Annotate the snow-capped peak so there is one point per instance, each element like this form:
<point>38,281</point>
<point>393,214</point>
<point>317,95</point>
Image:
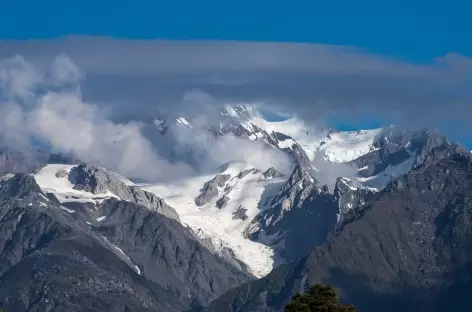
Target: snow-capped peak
<point>55,179</point>
<point>241,111</point>
<point>94,184</point>
<point>235,167</point>
<point>331,145</point>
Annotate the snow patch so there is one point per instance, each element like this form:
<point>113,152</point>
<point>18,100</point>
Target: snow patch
<point>128,259</point>
<point>67,209</point>
<point>378,182</point>
<point>288,143</point>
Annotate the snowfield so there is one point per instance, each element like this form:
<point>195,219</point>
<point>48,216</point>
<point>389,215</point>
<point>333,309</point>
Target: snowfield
<point>334,146</point>
<point>62,187</point>
<point>219,225</point>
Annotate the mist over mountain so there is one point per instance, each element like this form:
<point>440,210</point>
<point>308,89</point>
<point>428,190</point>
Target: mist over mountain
<point>198,200</point>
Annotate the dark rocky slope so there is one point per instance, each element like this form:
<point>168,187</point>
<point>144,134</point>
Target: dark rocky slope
<point>409,249</point>
<point>304,213</point>
<point>57,257</point>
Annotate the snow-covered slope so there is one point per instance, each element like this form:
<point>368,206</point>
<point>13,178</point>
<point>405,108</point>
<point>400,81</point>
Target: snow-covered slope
<point>345,146</point>
<point>379,181</point>
<point>94,184</point>
<point>52,181</point>
<point>245,192</point>
<point>334,146</point>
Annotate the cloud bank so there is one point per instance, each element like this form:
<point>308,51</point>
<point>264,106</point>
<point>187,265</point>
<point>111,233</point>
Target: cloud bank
<point>87,95</point>
<point>310,80</point>
<point>47,107</point>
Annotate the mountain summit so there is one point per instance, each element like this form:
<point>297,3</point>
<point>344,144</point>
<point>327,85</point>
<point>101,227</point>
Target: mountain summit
<point>382,214</point>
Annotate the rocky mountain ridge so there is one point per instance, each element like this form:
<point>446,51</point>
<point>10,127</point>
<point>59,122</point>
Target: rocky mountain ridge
<point>407,249</point>
<point>394,234</point>
<point>131,258</point>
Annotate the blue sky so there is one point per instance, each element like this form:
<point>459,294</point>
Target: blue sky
<point>412,31</point>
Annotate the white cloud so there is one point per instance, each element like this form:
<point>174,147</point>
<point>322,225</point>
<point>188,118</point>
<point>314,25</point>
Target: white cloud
<point>48,106</point>
<point>62,119</point>
<point>310,79</point>
<point>63,71</point>
<point>208,154</point>
<point>128,80</point>
<point>18,78</point>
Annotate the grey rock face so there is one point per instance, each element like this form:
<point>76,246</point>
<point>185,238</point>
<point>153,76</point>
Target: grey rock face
<point>240,213</point>
<point>49,263</point>
<point>244,173</point>
<point>171,262</point>
<point>299,217</point>
<point>210,189</point>
<point>54,258</point>
<point>20,185</point>
<point>221,203</point>
<point>220,179</point>
<point>395,146</point>
<point>272,173</point>
<point>97,180</point>
<point>295,191</point>
<point>351,195</point>
<point>61,174</point>
<point>409,249</point>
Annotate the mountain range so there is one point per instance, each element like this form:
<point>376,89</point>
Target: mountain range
<point>382,214</point>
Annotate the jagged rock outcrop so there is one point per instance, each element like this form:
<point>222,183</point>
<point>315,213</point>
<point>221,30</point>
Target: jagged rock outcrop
<point>240,126</point>
<point>98,180</point>
<point>210,189</point>
<point>300,216</point>
<point>244,173</point>
<point>351,195</point>
<point>221,203</point>
<point>399,148</point>
<point>171,263</point>
<point>408,249</point>
<point>62,173</point>
<point>19,186</point>
<point>48,262</point>
<point>272,173</point>
<point>240,213</point>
